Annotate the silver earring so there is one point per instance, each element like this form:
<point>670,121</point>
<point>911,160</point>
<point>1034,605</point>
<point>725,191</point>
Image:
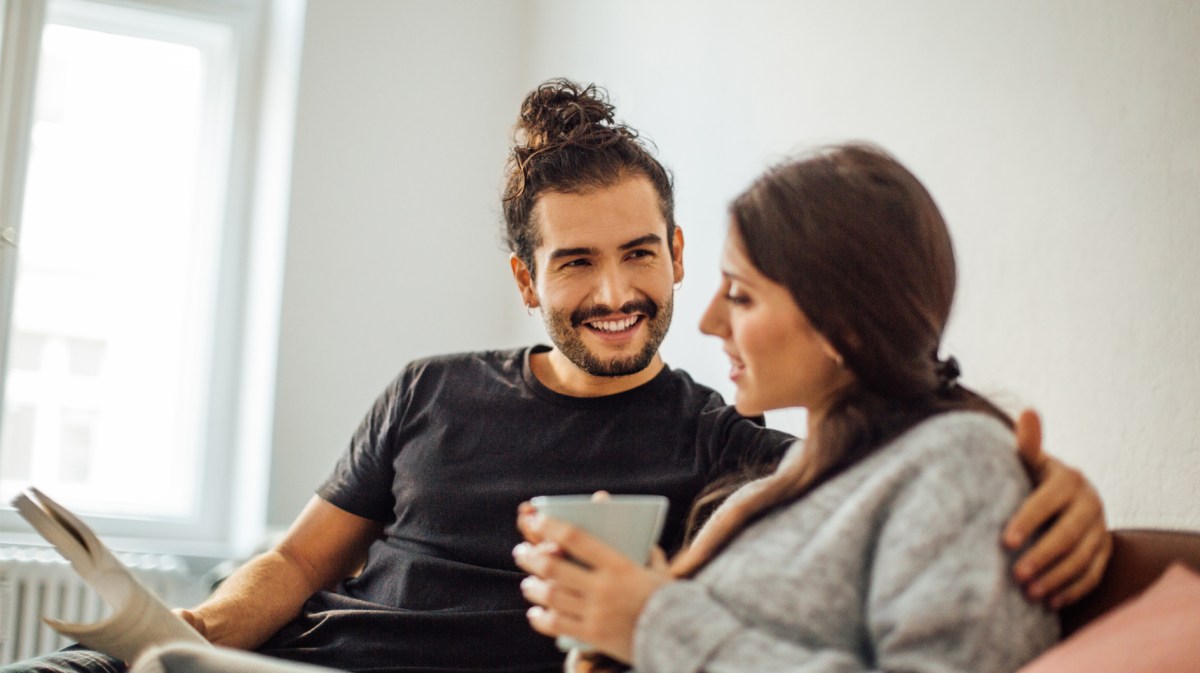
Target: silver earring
<point>529,310</point>
<point>678,285</point>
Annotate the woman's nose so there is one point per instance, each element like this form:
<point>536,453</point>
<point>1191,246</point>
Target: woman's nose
<point>715,322</point>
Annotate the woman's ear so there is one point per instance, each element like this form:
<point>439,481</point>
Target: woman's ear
<point>524,278</point>
<point>850,341</point>
<point>837,358</point>
<point>832,353</point>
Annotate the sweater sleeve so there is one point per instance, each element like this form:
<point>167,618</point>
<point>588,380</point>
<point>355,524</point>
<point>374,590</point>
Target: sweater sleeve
<point>937,594</point>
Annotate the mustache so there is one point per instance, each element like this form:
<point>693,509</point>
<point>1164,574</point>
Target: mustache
<point>582,315</point>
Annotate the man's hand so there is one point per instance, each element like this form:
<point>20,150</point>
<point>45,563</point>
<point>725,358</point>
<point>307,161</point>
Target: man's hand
<point>194,620</point>
<point>1069,558</point>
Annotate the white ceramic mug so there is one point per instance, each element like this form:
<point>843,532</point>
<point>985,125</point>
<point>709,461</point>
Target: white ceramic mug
<point>631,524</point>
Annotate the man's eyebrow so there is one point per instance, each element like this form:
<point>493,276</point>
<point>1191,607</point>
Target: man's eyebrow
<point>572,252</point>
<point>638,242</point>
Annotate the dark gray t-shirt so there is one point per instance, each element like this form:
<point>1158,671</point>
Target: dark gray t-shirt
<point>443,459</point>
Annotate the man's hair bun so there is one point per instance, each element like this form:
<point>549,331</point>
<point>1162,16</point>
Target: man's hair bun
<point>561,112</point>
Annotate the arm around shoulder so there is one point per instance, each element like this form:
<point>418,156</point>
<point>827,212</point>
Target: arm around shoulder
<point>894,565</point>
<point>941,594</point>
<point>323,546</point>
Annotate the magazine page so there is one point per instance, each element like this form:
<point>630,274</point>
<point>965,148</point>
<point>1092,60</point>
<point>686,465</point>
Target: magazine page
<point>138,620</point>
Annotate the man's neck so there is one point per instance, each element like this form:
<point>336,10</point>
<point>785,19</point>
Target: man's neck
<point>559,374</point>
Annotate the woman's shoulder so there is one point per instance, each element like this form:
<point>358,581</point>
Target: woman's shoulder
<point>965,450</point>
<point>957,433</point>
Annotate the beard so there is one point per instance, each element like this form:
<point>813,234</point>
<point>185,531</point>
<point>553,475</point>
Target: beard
<point>563,327</point>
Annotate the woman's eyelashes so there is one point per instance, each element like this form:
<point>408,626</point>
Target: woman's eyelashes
<point>736,296</point>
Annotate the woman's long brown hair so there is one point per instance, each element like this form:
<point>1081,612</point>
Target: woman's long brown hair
<point>863,249</point>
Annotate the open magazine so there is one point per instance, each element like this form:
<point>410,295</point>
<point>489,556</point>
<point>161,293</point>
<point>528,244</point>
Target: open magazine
<point>139,619</point>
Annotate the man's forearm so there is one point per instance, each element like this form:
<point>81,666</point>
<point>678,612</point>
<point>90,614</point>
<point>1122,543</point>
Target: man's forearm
<point>255,601</point>
<point>324,545</point>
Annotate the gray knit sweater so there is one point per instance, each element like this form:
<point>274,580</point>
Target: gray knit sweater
<point>894,565</point>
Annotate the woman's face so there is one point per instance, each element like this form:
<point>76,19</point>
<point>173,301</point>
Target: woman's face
<point>777,358</point>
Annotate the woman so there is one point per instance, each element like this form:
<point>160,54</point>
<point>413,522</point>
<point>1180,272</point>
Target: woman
<point>874,547</point>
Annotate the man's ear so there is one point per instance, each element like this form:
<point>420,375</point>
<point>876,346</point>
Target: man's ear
<point>677,254</point>
<point>524,280</point>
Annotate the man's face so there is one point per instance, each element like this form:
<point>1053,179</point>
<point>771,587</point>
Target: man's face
<point>604,275</point>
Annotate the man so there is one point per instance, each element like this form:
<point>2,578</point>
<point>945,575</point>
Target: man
<point>420,510</point>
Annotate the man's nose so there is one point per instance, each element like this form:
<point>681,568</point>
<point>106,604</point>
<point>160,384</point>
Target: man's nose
<point>613,289</point>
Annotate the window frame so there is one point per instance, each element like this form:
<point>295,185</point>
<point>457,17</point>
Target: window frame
<point>261,82</point>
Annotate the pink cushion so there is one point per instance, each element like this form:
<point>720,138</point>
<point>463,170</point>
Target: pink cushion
<point>1157,631</point>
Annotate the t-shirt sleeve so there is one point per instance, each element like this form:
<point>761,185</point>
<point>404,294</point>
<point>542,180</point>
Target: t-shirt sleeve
<point>361,482</point>
<point>735,443</point>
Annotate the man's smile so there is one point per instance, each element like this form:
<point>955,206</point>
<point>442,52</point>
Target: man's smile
<point>614,325</point>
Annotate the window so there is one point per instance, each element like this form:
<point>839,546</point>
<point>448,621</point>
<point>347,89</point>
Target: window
<point>135,252</point>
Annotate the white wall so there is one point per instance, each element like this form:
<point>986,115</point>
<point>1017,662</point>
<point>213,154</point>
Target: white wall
<point>393,248</point>
<point>1059,137</point>
<point>1062,140</point>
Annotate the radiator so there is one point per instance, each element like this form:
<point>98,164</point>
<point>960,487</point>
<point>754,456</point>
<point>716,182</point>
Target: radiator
<point>36,581</point>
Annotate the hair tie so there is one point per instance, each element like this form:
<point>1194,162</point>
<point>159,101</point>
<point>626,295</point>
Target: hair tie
<point>947,373</point>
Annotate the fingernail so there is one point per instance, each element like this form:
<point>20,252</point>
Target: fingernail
<point>1036,591</point>
<point>1013,538</point>
<point>520,550</point>
<point>525,583</point>
<point>533,613</point>
<point>1024,571</point>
